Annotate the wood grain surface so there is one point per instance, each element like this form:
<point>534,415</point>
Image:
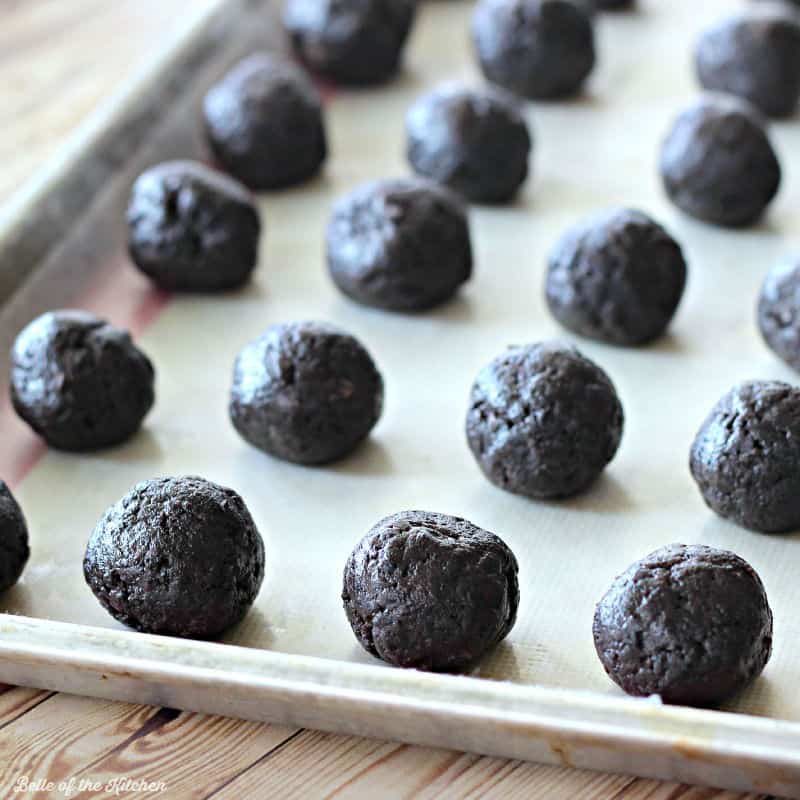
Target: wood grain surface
<point>58,60</point>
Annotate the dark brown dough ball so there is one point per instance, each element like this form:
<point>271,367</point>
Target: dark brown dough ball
<point>540,49</point>
<point>717,162</point>
<point>401,245</point>
<point>14,550</point>
<point>350,41</point>
<point>754,54</point>
<point>192,229</point>
<point>745,457</point>
<point>474,141</point>
<point>543,421</point>
<point>176,556</point>
<point>779,311</point>
<point>305,392</point>
<point>613,5</point>
<point>430,591</point>
<point>617,277</point>
<point>79,382</point>
<point>689,623</point>
<point>264,123</point>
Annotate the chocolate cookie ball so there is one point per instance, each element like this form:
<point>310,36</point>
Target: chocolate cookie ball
<point>14,550</point>
<point>754,54</point>
<point>717,162</point>
<point>779,311</point>
<point>613,5</point>
<point>689,623</point>
<point>617,277</point>
<point>79,382</point>
<point>192,229</point>
<point>305,392</point>
<point>540,49</point>
<point>430,591</point>
<point>401,245</point>
<point>350,41</point>
<point>543,421</point>
<point>474,141</point>
<point>745,457</point>
<point>264,123</point>
<point>176,556</point>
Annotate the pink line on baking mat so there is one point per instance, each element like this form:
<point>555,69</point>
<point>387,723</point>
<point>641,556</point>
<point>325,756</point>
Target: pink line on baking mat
<point>116,293</point>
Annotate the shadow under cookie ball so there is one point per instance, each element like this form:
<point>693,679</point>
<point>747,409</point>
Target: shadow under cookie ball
<point>176,556</point>
<point>754,54</point>
<point>192,229</point>
<point>745,457</point>
<point>264,123</point>
<point>430,591</point>
<point>79,382</point>
<point>612,5</point>
<point>617,277</point>
<point>305,392</point>
<point>14,550</point>
<point>474,141</point>
<point>356,42</point>
<point>779,311</point>
<point>543,421</point>
<point>400,245</point>
<point>540,49</point>
<point>689,623</point>
<point>717,162</point>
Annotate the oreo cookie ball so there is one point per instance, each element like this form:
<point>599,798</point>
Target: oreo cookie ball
<point>400,245</point>
<point>14,550</point>
<point>617,277</point>
<point>689,623</point>
<point>430,591</point>
<point>613,5</point>
<point>745,456</point>
<point>305,392</point>
<point>754,54</point>
<point>543,421</point>
<point>192,229</point>
<point>779,311</point>
<point>540,49</point>
<point>79,382</point>
<point>176,556</point>
<point>264,123</point>
<point>717,162</point>
<point>474,141</point>
<point>356,42</point>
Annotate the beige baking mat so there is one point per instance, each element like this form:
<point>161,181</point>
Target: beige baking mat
<point>596,151</point>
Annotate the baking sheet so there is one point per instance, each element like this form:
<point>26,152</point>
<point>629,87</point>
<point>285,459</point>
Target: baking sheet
<point>595,151</point>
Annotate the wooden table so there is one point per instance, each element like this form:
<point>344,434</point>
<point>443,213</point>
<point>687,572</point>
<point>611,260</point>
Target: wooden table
<point>58,59</point>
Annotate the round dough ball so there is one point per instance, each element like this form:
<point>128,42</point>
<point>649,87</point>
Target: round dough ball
<point>613,5</point>
<point>176,556</point>
<point>14,550</point>
<point>192,229</point>
<point>543,421</point>
<point>356,42</point>
<point>617,277</point>
<point>779,311</point>
<point>79,382</point>
<point>401,245</point>
<point>745,457</point>
<point>717,162</point>
<point>540,49</point>
<point>264,123</point>
<point>754,54</point>
<point>430,591</point>
<point>474,141</point>
<point>305,392</point>
<point>689,623</point>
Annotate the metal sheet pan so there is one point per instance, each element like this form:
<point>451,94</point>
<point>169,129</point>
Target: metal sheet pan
<point>542,694</point>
